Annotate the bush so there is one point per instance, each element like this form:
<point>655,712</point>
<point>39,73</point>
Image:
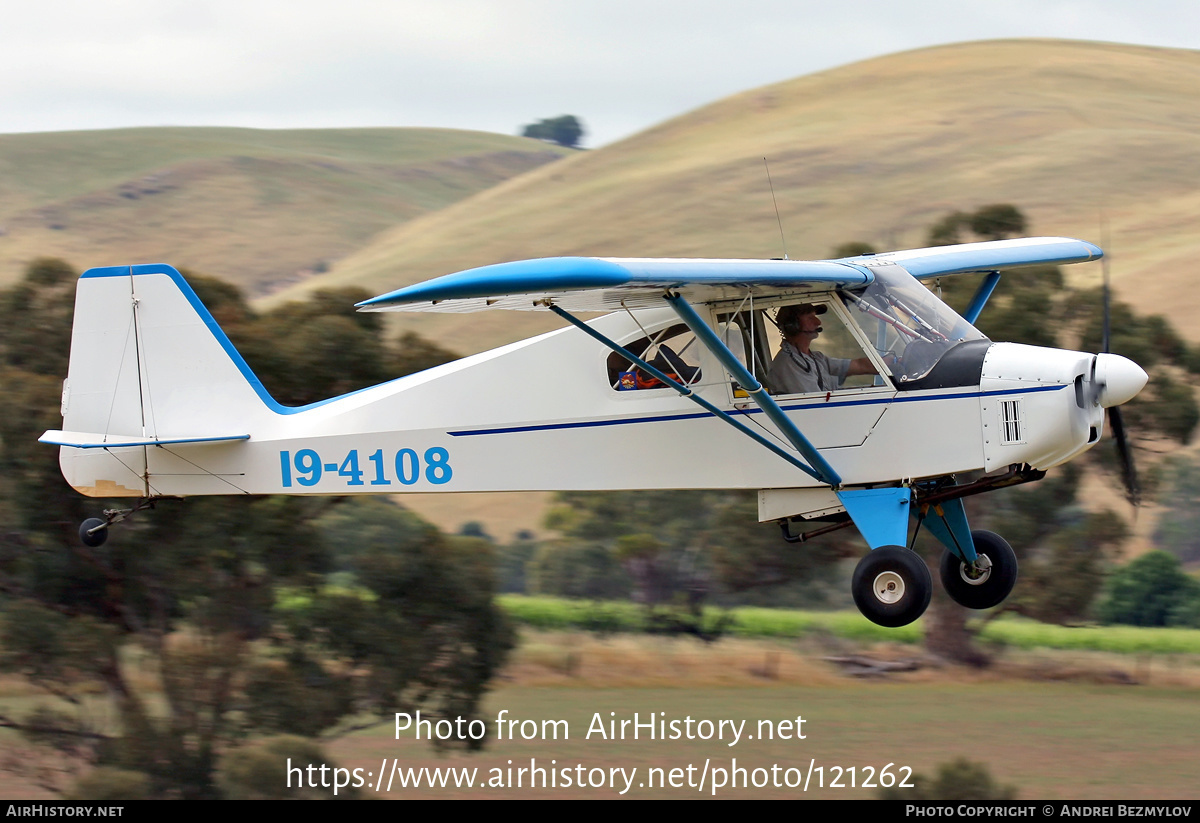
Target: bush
<point>959,779</point>
<point>259,771</point>
<point>107,783</point>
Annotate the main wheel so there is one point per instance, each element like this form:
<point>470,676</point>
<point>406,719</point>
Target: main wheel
<point>92,538</point>
<point>990,582</point>
<point>892,586</point>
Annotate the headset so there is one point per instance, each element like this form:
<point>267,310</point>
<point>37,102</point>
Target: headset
<point>788,317</point>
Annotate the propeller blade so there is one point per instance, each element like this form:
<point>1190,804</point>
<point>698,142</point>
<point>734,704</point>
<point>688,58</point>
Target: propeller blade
<point>1133,492</point>
<point>1116,422</point>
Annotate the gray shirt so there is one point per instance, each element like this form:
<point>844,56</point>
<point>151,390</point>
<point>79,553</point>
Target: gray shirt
<point>793,372</point>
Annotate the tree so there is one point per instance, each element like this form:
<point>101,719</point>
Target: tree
<point>948,230</point>
<point>992,222</point>
<point>565,130</point>
<point>1178,530</point>
<point>1150,591</point>
<point>998,221</point>
<point>513,561</point>
<point>231,600</point>
<point>584,570</point>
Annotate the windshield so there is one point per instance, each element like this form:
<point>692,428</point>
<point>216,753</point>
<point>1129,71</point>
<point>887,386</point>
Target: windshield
<point>904,319</point>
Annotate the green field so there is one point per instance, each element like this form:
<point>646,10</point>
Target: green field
<point>555,613</point>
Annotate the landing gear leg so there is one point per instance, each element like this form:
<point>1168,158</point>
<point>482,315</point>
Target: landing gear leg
<point>978,568</point>
<point>93,532</point>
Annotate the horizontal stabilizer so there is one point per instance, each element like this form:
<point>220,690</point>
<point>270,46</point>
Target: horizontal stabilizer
<point>94,440</point>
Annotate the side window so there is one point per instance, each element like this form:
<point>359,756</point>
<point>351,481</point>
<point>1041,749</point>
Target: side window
<point>673,351</point>
<point>820,355</point>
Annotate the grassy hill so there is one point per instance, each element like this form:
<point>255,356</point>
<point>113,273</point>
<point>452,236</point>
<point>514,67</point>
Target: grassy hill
<point>872,151</point>
<point>260,208</point>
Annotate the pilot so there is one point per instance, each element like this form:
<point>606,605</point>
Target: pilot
<point>797,369</point>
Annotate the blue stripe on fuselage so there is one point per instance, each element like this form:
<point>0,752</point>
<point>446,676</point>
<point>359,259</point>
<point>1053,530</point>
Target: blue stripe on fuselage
<point>666,418</point>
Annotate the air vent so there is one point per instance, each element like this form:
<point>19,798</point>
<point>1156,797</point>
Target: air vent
<point>1012,422</point>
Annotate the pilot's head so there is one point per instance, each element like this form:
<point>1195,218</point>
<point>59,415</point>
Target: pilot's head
<point>800,318</point>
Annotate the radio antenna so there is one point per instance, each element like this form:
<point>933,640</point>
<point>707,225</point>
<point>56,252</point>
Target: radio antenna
<point>782,239</point>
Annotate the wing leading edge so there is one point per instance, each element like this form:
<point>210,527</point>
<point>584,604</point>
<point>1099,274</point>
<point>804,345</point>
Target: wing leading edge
<point>606,284</point>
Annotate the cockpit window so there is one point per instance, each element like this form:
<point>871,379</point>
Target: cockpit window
<point>673,351</point>
<point>828,358</point>
<point>907,322</point>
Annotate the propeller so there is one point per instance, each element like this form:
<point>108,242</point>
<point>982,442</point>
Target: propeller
<point>1114,380</point>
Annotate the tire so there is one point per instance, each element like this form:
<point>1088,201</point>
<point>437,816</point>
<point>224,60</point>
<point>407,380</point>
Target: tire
<point>993,585</point>
<point>94,539</point>
<point>892,586</point>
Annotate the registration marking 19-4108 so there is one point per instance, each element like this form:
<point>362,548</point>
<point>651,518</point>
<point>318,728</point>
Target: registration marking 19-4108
<point>405,467</point>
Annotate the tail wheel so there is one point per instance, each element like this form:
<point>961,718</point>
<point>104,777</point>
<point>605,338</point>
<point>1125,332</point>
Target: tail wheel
<point>93,532</point>
<point>892,586</point>
<point>992,578</point>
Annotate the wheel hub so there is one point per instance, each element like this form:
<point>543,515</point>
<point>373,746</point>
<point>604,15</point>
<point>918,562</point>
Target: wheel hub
<point>979,573</point>
<point>888,587</point>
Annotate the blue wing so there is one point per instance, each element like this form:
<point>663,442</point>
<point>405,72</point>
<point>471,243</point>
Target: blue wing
<point>605,284</point>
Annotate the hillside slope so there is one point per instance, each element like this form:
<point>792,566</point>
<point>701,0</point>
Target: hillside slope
<point>259,208</point>
<point>873,151</point>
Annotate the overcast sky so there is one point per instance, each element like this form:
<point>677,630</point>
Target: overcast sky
<point>620,65</point>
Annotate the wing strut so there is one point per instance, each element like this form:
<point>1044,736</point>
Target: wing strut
<point>979,300</point>
<point>823,471</point>
<point>689,394</point>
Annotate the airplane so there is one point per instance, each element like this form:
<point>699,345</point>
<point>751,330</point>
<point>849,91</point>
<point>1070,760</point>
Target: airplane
<point>668,390</point>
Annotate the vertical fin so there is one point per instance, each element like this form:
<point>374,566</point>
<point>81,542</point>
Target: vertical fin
<point>148,363</point>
